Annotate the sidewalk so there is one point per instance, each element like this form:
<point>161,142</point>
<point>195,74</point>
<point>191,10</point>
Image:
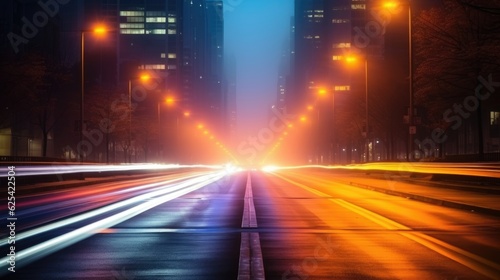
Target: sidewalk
<point>481,199</point>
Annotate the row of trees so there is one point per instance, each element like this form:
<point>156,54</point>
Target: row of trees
<point>32,85</point>
<point>454,44</point>
<point>42,98</point>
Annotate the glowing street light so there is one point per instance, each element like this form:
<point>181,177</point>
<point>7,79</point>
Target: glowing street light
<point>170,101</point>
<point>99,30</point>
<point>412,128</point>
<point>350,60</point>
<point>143,78</point>
<point>391,5</point>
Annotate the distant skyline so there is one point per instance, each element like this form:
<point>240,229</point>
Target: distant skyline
<point>254,34</point>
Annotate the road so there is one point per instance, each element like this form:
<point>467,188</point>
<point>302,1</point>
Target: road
<point>290,224</point>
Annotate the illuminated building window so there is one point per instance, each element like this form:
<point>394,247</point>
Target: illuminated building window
<point>156,31</point>
<point>156,19</point>
<point>172,31</point>
<point>132,25</point>
<point>135,19</point>
<point>132,13</point>
<point>152,67</point>
<point>494,118</point>
<point>358,6</point>
<point>163,55</point>
<point>172,20</point>
<point>341,45</point>
<point>155,14</point>
<point>495,125</point>
<point>132,31</point>
<point>337,57</point>
<point>172,55</point>
<point>342,88</point>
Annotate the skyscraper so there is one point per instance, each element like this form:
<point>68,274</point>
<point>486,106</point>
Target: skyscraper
<point>323,37</point>
<point>203,52</point>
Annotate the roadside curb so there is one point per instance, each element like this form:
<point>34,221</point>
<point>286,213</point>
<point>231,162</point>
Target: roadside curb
<point>437,184</point>
<point>431,200</point>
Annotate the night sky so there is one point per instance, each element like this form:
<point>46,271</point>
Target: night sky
<point>255,33</point>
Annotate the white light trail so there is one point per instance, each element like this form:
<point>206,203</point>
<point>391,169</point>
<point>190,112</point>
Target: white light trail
<point>164,189</point>
<point>67,169</point>
<point>152,200</point>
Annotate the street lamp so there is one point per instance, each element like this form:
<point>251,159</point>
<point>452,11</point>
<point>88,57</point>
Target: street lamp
<point>323,92</point>
<point>411,127</point>
<point>170,101</point>
<point>99,30</point>
<point>354,59</point>
<point>143,78</point>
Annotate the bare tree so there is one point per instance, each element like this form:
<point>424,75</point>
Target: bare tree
<point>108,116</point>
<point>455,44</point>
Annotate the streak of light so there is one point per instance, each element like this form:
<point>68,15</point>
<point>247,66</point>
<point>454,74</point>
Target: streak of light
<point>270,168</point>
<point>81,200</point>
<point>475,262</point>
<point>473,169</point>
<point>230,168</point>
<point>65,169</point>
<point>47,247</point>
<point>164,189</point>
<point>115,188</point>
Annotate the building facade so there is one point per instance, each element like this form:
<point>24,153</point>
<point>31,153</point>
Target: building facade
<point>178,42</point>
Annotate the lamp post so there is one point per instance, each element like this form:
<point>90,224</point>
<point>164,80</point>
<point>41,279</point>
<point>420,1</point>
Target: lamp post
<point>353,59</point>
<point>366,113</point>
<point>169,101</point>
<point>97,30</point>
<point>82,78</point>
<point>411,122</point>
<point>323,92</point>
<point>143,78</point>
<point>412,128</point>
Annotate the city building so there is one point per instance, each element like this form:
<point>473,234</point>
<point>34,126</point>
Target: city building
<point>324,36</point>
<point>179,43</point>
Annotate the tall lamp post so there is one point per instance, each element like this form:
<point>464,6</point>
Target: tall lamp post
<point>411,123</point>
<point>169,101</point>
<point>323,92</point>
<point>350,60</point>
<point>412,128</point>
<point>143,78</point>
<point>98,30</point>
